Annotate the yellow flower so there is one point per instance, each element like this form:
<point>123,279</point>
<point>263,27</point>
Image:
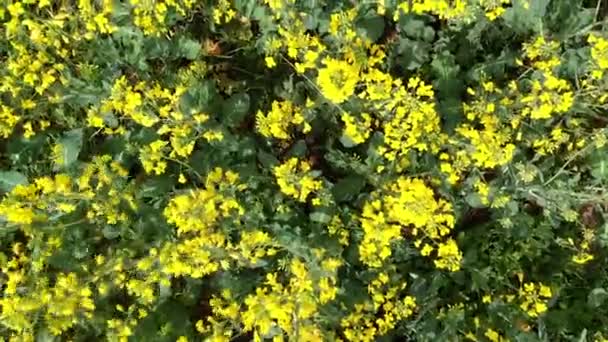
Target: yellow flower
<point>599,51</point>
<point>443,9</point>
<point>582,258</point>
<point>270,62</point>
<point>28,130</point>
<point>493,336</point>
<point>295,179</point>
<point>57,154</point>
<point>338,79</point>
<point>494,8</point>
<point>406,203</point>
<point>152,157</point>
<point>277,122</point>
<point>448,256</point>
<point>357,130</point>
<point>7,121</point>
<point>551,96</point>
<point>534,298</point>
<point>380,314</point>
<point>426,250</point>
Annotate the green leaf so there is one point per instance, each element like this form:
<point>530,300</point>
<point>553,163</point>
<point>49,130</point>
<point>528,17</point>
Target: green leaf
<point>522,19</point>
<point>411,26</point>
<point>200,97</point>
<point>235,108</point>
<point>538,8</point>
<point>346,141</point>
<point>267,160</point>
<point>164,291</point>
<point>372,27</point>
<point>597,297</point>
<point>311,19</point>
<point>599,170</point>
<point>156,185</point>
<point>10,179</point>
<point>26,151</point>
<point>446,72</point>
<point>479,280</point>
<point>115,146</point>
<point>320,217</point>
<point>188,48</point>
<point>44,335</point>
<point>599,164</point>
<point>451,114</point>
<point>583,336</point>
<point>110,232</point>
<point>144,135</point>
<point>413,54</point>
<point>298,149</point>
<point>573,61</point>
<point>347,188</point>
<point>71,144</point>
<point>474,200</point>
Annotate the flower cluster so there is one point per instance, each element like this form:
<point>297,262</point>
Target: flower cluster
<point>277,122</point>
<point>534,298</point>
<point>408,206</point>
<point>338,79</point>
<point>377,316</point>
<point>296,179</point>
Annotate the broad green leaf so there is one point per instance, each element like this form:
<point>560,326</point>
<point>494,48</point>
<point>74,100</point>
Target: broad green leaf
<point>413,54</point>
<point>372,27</point>
<point>10,179</point>
<point>446,72</point>
<point>525,16</point>
<point>199,98</point>
<point>156,185</point>
<point>110,232</point>
<point>599,164</point>
<point>597,297</point>
<point>236,108</point>
<point>189,49</point>
<point>411,26</point>
<point>451,113</point>
<point>346,141</point>
<point>267,160</point>
<point>71,144</point>
<point>537,8</point>
<point>26,151</point>
<point>474,200</point>
<point>44,335</point>
<point>311,21</point>
<point>144,135</point>
<point>298,149</point>
<point>479,280</point>
<point>164,291</point>
<point>347,188</point>
<point>320,217</point>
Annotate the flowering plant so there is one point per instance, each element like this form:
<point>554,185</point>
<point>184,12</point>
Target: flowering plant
<point>303,170</point>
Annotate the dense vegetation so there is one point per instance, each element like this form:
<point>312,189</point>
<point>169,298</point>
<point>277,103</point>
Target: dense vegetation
<point>304,170</point>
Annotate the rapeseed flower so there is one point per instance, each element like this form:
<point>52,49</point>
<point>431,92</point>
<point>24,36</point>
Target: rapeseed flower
<point>296,179</point>
<point>277,122</point>
<point>337,79</point>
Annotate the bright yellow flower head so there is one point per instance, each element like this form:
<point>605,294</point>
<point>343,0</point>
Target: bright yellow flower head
<point>338,79</point>
<point>295,180</point>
